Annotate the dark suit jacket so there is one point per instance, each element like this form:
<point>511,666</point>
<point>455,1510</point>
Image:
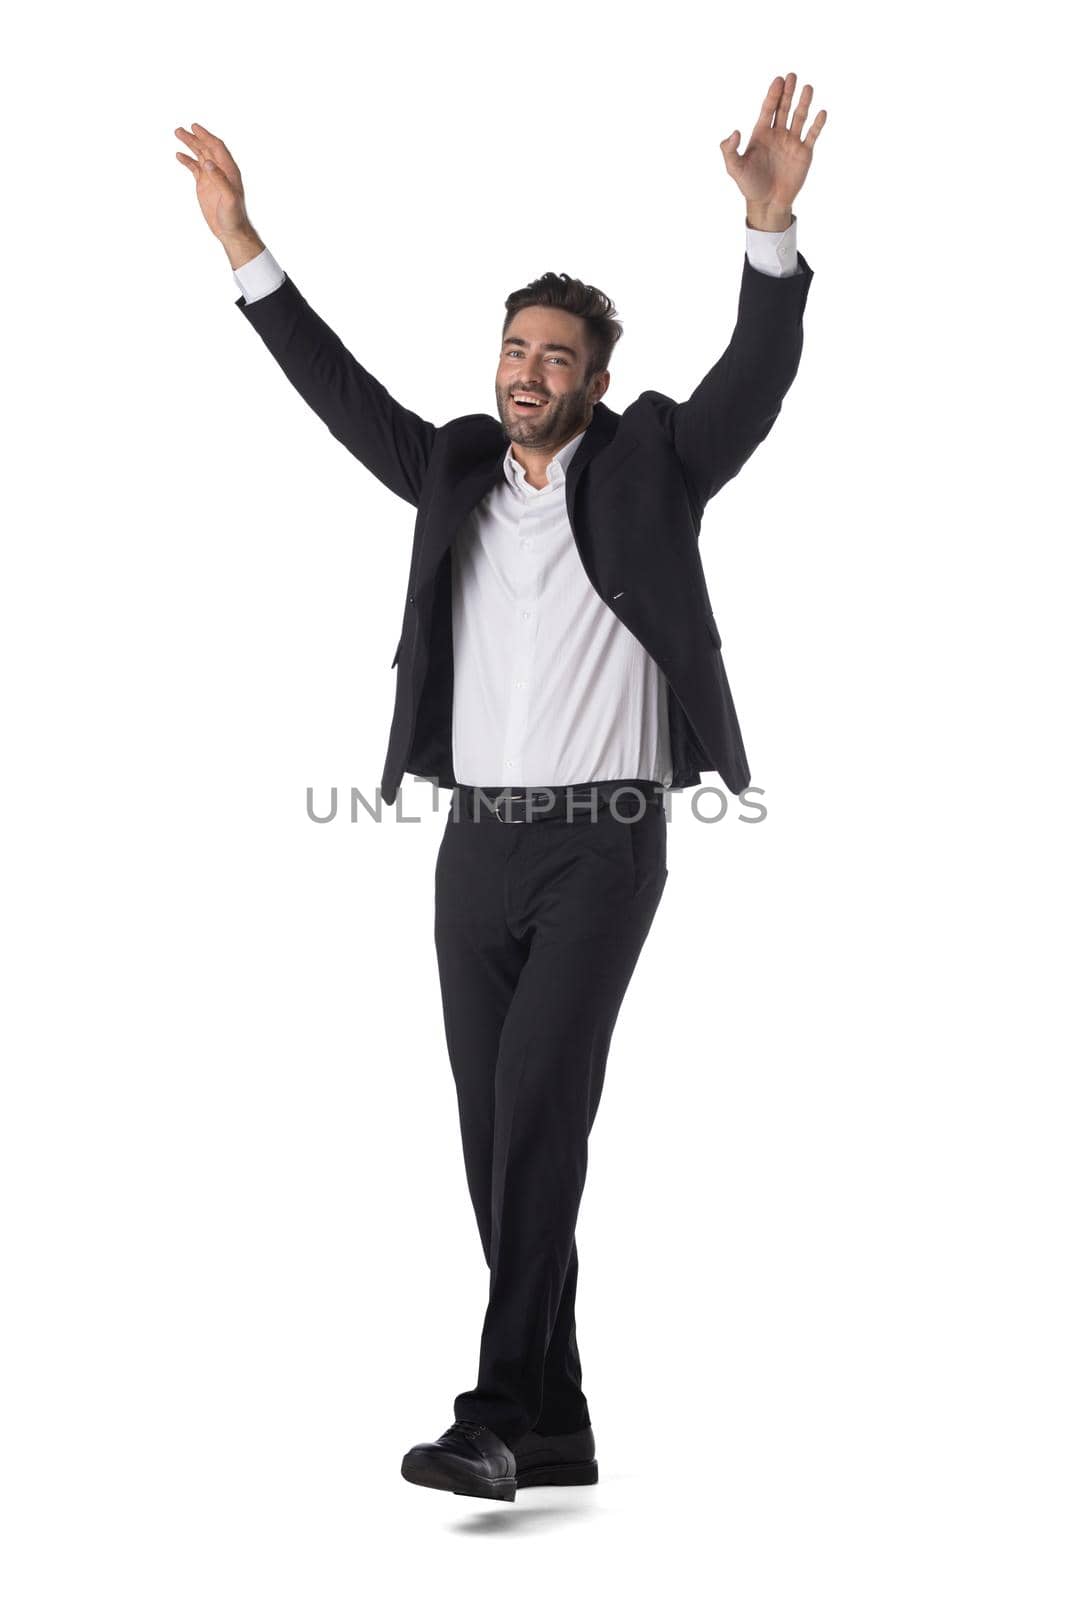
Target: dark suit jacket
<point>636,488</point>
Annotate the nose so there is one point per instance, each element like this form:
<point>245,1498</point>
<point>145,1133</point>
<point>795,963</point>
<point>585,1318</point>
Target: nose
<point>532,376</point>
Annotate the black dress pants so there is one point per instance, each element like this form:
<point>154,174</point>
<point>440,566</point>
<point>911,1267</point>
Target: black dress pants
<point>538,927</point>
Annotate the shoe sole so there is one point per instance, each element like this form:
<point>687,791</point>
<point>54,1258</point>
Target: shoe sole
<point>562,1472</point>
<point>430,1476</point>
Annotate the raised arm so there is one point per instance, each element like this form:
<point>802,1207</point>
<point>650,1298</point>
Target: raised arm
<point>734,407</point>
<point>390,441</point>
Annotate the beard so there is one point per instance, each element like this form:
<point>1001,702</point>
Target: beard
<point>556,422</point>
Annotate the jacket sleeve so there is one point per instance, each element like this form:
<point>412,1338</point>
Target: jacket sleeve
<point>390,441</point>
<point>734,407</point>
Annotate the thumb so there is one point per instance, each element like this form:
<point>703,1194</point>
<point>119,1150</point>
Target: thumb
<point>729,147</point>
<point>218,174</point>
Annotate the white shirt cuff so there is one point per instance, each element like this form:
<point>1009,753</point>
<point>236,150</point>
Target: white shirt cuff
<point>774,253</point>
<point>260,276</point>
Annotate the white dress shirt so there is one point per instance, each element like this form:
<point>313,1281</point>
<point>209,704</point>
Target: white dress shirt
<point>549,686</point>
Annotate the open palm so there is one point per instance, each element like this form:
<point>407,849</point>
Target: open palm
<point>771,171</point>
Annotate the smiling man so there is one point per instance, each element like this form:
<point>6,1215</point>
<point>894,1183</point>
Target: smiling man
<point>546,387</point>
<point>559,667</point>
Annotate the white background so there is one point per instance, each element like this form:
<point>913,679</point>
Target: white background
<point>820,1305</point>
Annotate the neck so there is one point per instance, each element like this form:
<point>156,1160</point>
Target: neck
<point>536,462</point>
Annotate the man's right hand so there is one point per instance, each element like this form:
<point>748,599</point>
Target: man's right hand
<point>220,192</point>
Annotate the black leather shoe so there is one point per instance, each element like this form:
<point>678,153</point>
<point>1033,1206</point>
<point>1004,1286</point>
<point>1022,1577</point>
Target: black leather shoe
<point>468,1458</point>
<point>542,1458</point>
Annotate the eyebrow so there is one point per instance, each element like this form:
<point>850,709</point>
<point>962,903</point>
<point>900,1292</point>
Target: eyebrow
<point>525,343</point>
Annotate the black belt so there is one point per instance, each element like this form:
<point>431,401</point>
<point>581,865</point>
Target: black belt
<point>575,801</point>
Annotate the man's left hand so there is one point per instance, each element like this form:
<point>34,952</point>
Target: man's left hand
<point>771,171</point>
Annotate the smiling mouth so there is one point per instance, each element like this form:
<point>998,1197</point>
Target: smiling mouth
<point>528,405</point>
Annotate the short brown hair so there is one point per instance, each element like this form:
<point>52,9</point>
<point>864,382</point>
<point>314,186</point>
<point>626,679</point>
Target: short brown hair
<point>563,293</point>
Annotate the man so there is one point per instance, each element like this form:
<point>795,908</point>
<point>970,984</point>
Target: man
<point>559,667</point>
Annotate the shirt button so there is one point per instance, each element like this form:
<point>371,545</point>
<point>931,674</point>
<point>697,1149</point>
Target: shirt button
<point>510,763</point>
<point>520,683</point>
<point>526,615</point>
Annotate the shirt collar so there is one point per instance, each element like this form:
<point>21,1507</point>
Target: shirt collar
<point>556,466</point>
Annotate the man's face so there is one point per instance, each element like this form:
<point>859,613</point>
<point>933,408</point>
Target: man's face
<point>545,355</point>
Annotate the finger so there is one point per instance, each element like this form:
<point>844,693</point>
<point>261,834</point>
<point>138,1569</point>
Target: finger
<point>781,114</point>
<point>799,116</point>
<point>815,129</point>
<point>196,167</point>
<point>212,143</point>
<point>195,144</point>
<point>204,169</point>
<point>770,104</point>
<point>208,144</point>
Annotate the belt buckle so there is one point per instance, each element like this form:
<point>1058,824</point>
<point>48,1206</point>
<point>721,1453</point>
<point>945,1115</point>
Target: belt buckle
<point>494,807</point>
